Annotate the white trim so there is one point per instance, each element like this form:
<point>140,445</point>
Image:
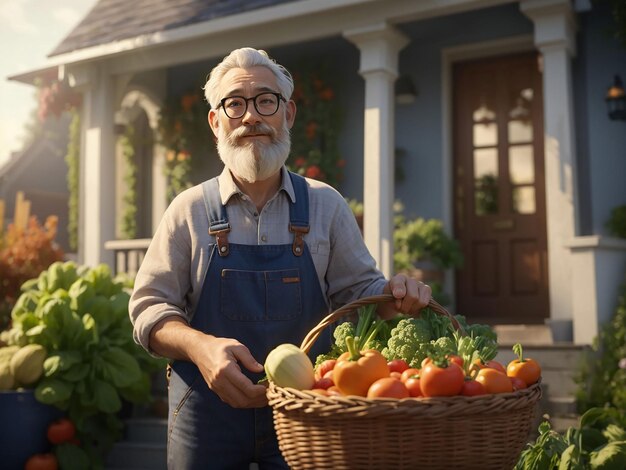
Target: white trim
<point>284,24</point>
<point>449,56</point>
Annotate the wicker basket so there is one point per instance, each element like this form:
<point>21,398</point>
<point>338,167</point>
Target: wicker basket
<point>330,432</point>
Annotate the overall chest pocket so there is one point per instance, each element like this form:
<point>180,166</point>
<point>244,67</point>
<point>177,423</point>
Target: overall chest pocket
<point>260,295</point>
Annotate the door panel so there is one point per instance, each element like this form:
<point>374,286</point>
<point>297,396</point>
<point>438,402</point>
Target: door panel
<point>499,190</point>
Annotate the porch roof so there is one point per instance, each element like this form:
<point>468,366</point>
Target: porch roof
<point>113,20</point>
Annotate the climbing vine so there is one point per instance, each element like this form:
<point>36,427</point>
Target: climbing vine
<point>314,144</point>
<point>183,128</point>
<point>129,212</point>
<point>72,160</point>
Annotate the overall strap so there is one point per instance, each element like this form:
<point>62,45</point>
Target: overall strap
<point>216,213</point>
<point>299,213</point>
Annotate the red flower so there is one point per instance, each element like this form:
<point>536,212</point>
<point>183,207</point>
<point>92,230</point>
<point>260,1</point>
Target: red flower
<point>311,130</point>
<point>314,172</point>
<point>341,163</point>
<point>327,94</point>
<point>299,162</point>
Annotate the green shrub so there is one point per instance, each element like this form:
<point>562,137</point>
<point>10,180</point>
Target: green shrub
<point>601,378</point>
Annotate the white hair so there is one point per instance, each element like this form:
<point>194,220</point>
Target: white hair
<point>244,58</point>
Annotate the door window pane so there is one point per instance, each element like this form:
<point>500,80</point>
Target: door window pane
<point>520,132</point>
<point>485,162</point>
<point>485,134</point>
<point>524,200</point>
<point>521,164</point>
<point>486,181</point>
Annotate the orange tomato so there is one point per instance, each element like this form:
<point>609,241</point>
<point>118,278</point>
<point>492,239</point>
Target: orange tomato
<point>396,375</point>
<point>324,383</point>
<point>491,365</point>
<point>528,370</point>
<point>325,366</point>
<point>334,391</point>
<point>320,391</point>
<point>388,387</point>
<point>407,374</point>
<point>494,381</point>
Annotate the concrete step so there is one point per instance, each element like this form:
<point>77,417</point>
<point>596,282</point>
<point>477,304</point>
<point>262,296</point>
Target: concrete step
<point>137,456</point>
<point>148,430</point>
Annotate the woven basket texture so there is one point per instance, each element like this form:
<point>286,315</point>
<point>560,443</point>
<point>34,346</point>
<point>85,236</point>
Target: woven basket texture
<point>330,432</point>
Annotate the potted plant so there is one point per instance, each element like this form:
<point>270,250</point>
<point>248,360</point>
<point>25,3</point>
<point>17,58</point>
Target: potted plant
<point>424,249</point>
<point>92,366</point>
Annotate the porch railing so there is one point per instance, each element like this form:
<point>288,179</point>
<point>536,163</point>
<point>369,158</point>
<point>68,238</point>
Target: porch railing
<point>128,254</point>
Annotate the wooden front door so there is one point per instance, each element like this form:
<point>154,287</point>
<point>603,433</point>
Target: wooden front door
<point>499,190</point>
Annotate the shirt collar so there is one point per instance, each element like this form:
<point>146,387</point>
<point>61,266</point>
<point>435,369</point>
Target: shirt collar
<point>228,187</point>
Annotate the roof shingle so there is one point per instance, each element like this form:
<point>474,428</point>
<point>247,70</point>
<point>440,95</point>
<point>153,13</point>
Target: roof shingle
<point>113,20</point>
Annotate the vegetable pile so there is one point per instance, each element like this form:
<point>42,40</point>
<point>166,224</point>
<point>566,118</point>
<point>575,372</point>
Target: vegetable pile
<point>405,357</point>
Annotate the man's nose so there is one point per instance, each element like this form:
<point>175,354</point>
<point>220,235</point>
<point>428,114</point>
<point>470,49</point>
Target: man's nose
<point>251,116</point>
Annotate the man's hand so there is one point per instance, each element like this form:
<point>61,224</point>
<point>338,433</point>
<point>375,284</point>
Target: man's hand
<point>220,361</point>
<point>411,296</point>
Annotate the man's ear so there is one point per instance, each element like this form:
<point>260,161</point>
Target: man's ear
<point>290,113</point>
<point>214,121</point>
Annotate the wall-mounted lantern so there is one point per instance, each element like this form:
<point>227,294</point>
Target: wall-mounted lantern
<point>616,100</point>
<point>405,90</point>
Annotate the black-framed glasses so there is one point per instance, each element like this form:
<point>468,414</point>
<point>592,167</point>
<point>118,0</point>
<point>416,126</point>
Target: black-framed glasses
<point>266,104</point>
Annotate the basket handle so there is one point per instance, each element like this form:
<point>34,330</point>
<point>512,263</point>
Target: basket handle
<point>312,336</point>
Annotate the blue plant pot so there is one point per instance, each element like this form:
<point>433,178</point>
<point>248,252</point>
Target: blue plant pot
<point>23,427</point>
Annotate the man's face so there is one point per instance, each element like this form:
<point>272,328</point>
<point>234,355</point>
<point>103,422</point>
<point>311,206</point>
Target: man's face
<point>253,147</point>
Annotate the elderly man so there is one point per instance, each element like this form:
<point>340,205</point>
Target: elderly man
<point>244,262</point>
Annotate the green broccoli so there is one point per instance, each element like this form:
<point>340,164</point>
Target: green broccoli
<point>444,346</point>
<point>342,331</point>
<point>406,339</point>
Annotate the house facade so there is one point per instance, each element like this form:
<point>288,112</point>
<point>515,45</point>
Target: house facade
<point>504,134</point>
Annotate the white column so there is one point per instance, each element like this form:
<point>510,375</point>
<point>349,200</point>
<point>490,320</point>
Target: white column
<point>97,178</point>
<point>555,37</point>
<point>379,45</point>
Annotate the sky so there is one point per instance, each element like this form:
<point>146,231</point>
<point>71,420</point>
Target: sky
<point>29,31</point>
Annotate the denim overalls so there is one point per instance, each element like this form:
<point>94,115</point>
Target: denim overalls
<point>261,295</point>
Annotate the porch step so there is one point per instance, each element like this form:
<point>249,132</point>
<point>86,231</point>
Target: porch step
<point>137,456</point>
<point>524,334</point>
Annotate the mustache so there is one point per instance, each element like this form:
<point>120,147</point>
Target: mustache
<point>260,128</point>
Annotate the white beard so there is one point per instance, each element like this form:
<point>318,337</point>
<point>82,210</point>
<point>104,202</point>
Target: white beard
<point>254,161</point>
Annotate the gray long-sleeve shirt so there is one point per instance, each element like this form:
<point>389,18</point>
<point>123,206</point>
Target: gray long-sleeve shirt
<point>170,278</point>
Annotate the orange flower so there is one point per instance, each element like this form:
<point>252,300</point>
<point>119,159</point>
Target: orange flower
<point>327,94</point>
<point>183,155</point>
<point>317,84</point>
<point>299,162</point>
<point>188,101</point>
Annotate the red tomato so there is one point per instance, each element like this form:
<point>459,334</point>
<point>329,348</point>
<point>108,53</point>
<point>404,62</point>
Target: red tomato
<point>329,375</point>
<point>472,388</point>
<point>456,359</point>
<point>324,383</point>
<point>334,391</point>
<point>388,387</point>
<point>397,365</point>
<point>494,381</point>
<point>518,383</point>
<point>328,364</point>
<point>60,431</point>
<point>42,462</point>
<point>438,381</point>
<point>409,373</point>
<point>413,386</point>
<point>396,375</point>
